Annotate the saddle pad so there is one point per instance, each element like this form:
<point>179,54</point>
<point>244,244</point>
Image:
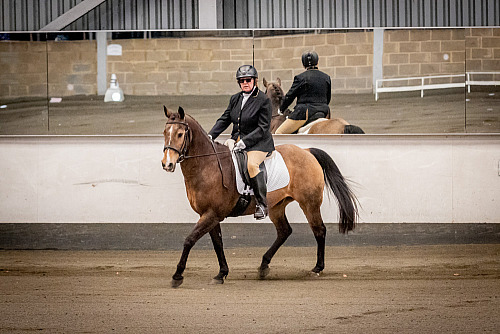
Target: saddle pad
<point>305,129</point>
<point>277,174</point>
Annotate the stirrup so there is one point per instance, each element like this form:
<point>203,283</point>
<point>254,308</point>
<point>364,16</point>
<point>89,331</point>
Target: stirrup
<point>260,213</point>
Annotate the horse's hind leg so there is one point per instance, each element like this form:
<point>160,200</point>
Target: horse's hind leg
<point>313,215</point>
<point>216,235</point>
<point>283,230</point>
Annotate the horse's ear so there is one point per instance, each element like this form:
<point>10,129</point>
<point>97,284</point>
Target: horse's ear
<point>181,112</point>
<point>278,80</point>
<point>167,112</point>
<point>264,81</point>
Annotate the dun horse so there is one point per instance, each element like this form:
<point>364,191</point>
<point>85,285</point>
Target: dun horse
<point>209,177</point>
<point>320,126</point>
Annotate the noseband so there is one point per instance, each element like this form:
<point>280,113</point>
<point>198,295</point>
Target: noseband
<point>183,150</point>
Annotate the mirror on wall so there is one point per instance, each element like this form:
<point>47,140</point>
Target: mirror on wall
<point>24,108</point>
<point>387,81</point>
<point>482,54</point>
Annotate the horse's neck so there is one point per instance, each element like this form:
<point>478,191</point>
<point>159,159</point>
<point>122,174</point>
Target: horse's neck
<point>200,149</point>
<point>275,103</point>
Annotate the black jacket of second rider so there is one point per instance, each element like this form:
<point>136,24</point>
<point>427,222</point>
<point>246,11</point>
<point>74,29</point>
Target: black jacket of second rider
<point>251,124</point>
<point>313,90</point>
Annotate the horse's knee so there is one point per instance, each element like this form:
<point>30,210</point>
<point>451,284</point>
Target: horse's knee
<point>189,242</point>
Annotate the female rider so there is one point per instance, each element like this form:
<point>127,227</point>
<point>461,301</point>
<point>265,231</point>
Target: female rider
<point>250,113</point>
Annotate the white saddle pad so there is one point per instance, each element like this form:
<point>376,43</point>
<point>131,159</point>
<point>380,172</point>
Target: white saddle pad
<point>305,129</point>
<point>277,174</point>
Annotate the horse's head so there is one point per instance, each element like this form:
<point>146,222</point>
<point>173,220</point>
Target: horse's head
<point>177,137</point>
<point>275,93</point>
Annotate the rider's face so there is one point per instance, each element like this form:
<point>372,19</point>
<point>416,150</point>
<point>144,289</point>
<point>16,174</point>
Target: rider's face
<point>246,84</point>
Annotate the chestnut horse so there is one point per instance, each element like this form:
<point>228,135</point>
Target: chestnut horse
<point>209,177</point>
<point>320,126</point>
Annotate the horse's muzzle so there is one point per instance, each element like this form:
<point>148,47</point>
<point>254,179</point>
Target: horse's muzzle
<point>169,167</point>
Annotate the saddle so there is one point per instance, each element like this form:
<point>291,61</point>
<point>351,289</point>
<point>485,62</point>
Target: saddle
<point>241,159</point>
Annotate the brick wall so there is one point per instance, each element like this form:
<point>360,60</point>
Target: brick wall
<point>207,65</point>
<point>483,51</point>
<point>423,52</point>
<point>346,57</point>
<point>72,68</point>
<point>174,66</point>
<point>23,69</point>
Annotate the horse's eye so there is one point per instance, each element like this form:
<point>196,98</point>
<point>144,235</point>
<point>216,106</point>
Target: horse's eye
<point>179,135</point>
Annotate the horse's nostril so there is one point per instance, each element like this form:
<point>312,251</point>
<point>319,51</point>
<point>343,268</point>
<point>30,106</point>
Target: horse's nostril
<point>163,164</point>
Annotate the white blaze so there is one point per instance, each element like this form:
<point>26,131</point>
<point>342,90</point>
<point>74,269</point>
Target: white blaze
<point>169,141</point>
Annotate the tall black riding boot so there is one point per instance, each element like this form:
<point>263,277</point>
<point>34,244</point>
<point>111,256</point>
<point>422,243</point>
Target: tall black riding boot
<point>259,187</point>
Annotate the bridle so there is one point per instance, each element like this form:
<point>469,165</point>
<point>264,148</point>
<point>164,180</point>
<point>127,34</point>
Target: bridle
<point>183,150</point>
<point>185,145</point>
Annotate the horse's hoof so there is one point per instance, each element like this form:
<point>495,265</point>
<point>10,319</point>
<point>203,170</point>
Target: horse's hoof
<point>315,274</point>
<point>176,282</point>
<point>216,281</point>
<point>317,270</point>
<point>263,272</point>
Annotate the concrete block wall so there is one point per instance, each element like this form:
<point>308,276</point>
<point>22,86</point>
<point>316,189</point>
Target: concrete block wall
<point>69,66</point>
<point>23,69</point>
<point>72,68</point>
<point>423,52</point>
<point>180,66</point>
<point>206,65</point>
<point>346,57</point>
<point>483,51</point>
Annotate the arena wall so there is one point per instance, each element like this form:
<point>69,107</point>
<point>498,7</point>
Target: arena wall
<point>206,65</point>
<point>119,179</point>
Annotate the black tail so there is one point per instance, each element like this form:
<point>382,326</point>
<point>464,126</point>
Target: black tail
<point>353,129</point>
<point>346,200</point>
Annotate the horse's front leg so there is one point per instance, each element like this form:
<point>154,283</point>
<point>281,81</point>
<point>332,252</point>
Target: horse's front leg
<point>205,224</point>
<point>216,235</point>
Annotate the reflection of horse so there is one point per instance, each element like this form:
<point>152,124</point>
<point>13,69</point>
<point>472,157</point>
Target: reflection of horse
<point>322,125</point>
<point>209,177</point>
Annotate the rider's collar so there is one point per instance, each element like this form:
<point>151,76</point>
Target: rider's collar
<point>253,93</point>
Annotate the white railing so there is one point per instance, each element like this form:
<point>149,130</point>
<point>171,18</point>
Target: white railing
<point>424,83</point>
<point>470,82</point>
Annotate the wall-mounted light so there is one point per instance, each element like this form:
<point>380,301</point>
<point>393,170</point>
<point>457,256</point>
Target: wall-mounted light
<point>114,93</point>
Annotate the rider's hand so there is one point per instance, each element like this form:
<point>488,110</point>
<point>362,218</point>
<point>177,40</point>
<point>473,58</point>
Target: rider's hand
<point>210,136</point>
<point>239,146</point>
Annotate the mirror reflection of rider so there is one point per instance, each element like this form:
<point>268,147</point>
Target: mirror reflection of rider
<point>250,113</point>
<point>313,90</point>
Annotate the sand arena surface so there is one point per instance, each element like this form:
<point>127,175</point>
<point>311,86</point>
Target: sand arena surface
<point>364,289</point>
<point>443,111</point>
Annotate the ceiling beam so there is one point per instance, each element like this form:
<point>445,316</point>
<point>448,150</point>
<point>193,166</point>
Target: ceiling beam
<point>72,15</point>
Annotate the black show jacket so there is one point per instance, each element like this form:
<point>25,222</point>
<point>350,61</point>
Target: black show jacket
<point>250,124</point>
<point>313,90</point>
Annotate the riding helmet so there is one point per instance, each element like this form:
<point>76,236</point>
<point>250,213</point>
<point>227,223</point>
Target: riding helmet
<point>310,58</point>
<point>246,71</point>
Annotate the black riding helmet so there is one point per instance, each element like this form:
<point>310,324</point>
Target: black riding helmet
<point>310,58</point>
<point>246,71</point>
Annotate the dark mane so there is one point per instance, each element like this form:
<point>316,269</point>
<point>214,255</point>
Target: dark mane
<point>193,123</point>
